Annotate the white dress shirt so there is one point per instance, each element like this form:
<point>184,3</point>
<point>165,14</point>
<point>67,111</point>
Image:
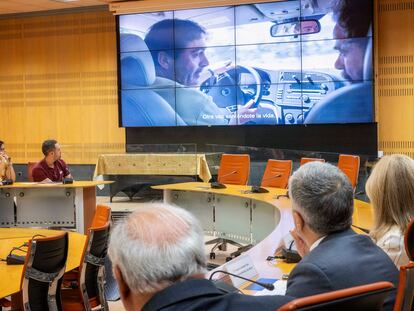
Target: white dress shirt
<point>392,243</point>
<point>316,243</point>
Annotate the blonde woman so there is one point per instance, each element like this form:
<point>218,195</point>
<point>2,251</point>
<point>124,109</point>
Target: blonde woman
<point>6,165</point>
<point>390,189</point>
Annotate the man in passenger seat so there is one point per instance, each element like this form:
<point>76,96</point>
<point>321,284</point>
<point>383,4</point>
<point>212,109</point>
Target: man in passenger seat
<point>351,33</point>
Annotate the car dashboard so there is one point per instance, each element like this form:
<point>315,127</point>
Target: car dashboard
<point>295,93</point>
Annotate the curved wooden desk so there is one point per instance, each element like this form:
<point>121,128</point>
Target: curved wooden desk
<point>10,275</point>
<point>49,204</point>
<point>262,219</point>
<point>230,212</point>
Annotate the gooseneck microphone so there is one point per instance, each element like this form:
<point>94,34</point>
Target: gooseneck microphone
<point>258,189</point>
<point>6,182</point>
<point>268,286</point>
<point>218,185</point>
<point>362,229</point>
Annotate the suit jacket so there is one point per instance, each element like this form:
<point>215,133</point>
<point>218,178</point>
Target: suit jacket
<point>343,259</point>
<point>202,294</point>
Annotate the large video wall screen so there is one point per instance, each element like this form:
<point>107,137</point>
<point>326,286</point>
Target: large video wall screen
<point>288,62</point>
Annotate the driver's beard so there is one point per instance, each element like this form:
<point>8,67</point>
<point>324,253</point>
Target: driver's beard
<point>188,79</point>
<point>346,76</point>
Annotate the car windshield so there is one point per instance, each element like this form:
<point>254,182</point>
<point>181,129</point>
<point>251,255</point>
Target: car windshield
<point>281,56</point>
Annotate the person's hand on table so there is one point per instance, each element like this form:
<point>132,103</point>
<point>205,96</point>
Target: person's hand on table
<point>4,155</point>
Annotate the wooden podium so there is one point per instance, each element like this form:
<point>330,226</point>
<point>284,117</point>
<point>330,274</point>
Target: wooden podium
<point>47,205</point>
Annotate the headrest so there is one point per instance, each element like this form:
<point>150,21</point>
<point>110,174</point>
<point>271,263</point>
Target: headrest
<point>367,74</point>
<point>349,104</point>
<point>137,66</point>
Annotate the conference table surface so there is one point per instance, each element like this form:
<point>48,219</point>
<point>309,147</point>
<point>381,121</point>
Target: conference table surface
<point>75,184</point>
<point>10,275</point>
<point>362,217</point>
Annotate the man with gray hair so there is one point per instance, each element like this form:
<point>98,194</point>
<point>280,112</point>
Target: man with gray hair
<point>333,255</point>
<point>159,263</point>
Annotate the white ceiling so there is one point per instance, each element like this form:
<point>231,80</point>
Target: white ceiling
<point>25,6</point>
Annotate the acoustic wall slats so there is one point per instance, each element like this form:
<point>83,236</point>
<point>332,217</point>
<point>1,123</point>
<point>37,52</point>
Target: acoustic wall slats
<point>58,79</point>
<point>395,76</point>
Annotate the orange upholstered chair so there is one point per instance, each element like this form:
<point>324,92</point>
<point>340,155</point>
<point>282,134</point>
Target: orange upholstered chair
<point>89,291</point>
<point>409,240</point>
<point>306,160</point>
<point>30,166</point>
<point>349,164</point>
<point>405,291</point>
<point>102,216</point>
<point>275,168</point>
<point>234,169</point>
<point>367,297</point>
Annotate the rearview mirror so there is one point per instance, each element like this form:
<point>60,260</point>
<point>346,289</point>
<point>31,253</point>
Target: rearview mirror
<point>295,28</point>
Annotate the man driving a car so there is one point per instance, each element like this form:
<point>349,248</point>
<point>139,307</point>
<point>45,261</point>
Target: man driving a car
<point>185,68</point>
<point>351,31</point>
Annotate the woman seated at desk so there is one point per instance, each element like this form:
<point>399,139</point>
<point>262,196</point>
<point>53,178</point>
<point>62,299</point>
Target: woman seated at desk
<point>390,189</point>
<point>6,165</point>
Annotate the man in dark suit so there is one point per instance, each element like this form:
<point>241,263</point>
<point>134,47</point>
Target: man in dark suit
<point>159,263</point>
<point>333,255</point>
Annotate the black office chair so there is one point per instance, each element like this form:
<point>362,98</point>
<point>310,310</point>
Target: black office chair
<point>369,297</point>
<point>43,272</point>
<point>88,290</point>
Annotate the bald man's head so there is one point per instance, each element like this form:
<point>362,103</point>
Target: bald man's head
<point>156,226</point>
<point>156,246</point>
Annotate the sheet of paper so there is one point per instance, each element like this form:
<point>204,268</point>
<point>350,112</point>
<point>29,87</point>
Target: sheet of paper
<point>280,289</point>
<point>242,266</point>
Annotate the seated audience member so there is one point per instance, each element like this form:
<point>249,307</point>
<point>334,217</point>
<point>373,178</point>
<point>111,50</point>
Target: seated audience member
<point>6,165</point>
<point>160,265</point>
<point>390,189</point>
<point>52,168</point>
<point>333,256</point>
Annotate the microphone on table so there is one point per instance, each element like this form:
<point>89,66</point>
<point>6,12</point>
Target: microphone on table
<point>362,229</point>
<point>258,189</point>
<point>219,185</point>
<point>6,182</point>
<point>268,286</point>
<point>67,180</point>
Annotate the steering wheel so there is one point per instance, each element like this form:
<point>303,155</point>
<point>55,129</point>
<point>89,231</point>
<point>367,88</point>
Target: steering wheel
<point>225,88</point>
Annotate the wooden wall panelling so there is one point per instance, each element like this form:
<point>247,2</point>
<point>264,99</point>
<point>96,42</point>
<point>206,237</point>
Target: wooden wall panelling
<point>100,87</point>
<point>60,75</point>
<point>12,108</point>
<point>58,79</point>
<point>395,76</point>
